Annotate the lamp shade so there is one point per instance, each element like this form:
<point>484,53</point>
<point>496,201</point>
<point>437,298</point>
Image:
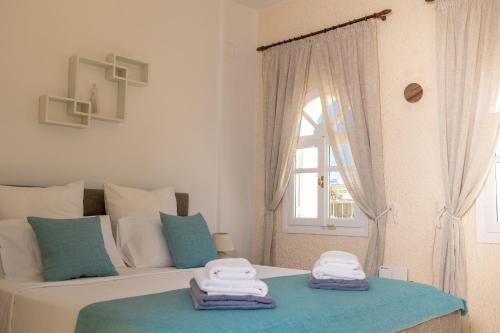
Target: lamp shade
<point>223,242</point>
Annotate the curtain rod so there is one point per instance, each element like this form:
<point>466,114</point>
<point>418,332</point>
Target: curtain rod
<point>380,15</point>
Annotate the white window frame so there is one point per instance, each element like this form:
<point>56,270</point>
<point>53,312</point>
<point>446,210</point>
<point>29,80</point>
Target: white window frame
<point>322,225</point>
<point>487,224</point>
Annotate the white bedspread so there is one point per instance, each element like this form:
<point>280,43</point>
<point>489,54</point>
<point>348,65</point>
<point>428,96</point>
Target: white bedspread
<point>53,307</point>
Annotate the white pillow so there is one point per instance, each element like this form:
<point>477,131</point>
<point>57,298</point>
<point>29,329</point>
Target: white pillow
<point>20,254</point>
<point>142,243</point>
<point>50,202</point>
<point>21,259</point>
<point>130,202</point>
<point>109,242</point>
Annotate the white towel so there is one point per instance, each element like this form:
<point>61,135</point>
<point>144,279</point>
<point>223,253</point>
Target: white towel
<point>337,271</point>
<point>230,269</point>
<point>338,257</point>
<point>229,287</point>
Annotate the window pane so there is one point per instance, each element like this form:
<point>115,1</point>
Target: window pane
<point>341,205</point>
<point>306,128</point>
<point>498,101</point>
<point>306,195</point>
<point>313,109</point>
<point>333,109</point>
<point>345,155</point>
<point>497,179</point>
<point>331,158</point>
<point>306,158</point>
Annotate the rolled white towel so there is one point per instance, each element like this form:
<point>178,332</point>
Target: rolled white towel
<point>229,287</point>
<point>230,269</point>
<point>337,271</point>
<point>338,257</point>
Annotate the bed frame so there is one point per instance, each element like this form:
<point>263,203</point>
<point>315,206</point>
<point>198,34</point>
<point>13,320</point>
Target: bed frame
<point>452,323</point>
<point>93,203</point>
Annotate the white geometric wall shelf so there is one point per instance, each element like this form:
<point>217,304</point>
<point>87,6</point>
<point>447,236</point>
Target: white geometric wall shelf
<point>121,70</point>
<point>138,71</point>
<point>79,111</point>
<point>112,73</point>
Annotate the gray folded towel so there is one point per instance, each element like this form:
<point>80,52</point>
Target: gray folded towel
<point>202,301</point>
<point>334,284</point>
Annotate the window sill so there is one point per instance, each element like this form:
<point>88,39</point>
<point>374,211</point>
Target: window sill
<point>485,233</point>
<point>487,227</point>
<point>321,230</point>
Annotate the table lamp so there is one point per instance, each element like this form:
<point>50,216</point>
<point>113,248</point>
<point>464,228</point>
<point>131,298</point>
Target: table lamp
<point>223,244</point>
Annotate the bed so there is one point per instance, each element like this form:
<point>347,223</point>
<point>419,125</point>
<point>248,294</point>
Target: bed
<point>52,307</point>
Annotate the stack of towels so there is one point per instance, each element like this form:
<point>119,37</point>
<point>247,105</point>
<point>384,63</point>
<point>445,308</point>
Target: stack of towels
<point>338,270</point>
<point>229,284</point>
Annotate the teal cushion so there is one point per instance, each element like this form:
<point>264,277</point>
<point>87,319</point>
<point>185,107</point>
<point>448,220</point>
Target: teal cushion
<point>71,248</point>
<point>188,240</point>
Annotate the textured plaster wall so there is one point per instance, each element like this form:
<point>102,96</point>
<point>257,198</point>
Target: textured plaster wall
<point>411,148</point>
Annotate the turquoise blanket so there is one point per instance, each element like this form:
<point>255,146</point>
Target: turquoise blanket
<point>388,306</point>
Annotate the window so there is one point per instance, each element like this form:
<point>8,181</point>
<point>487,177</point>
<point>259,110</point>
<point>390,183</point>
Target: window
<point>488,204</point>
<point>317,201</point>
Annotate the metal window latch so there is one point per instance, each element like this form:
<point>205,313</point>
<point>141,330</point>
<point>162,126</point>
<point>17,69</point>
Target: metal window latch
<point>329,227</point>
<point>321,181</point>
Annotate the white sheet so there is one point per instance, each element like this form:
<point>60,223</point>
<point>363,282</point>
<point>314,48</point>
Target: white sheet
<point>53,307</point>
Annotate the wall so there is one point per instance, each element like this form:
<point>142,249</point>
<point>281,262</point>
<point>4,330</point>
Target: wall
<point>172,131</point>
<point>411,148</point>
<point>237,135</point>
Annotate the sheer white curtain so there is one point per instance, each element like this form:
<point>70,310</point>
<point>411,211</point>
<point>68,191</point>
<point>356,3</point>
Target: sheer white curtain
<point>285,71</point>
<point>468,80</point>
<point>346,61</point>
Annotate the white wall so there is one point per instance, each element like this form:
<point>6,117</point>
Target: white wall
<point>170,135</point>
<point>237,125</point>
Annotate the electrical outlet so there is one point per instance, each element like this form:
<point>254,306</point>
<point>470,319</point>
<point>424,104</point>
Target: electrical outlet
<point>395,273</point>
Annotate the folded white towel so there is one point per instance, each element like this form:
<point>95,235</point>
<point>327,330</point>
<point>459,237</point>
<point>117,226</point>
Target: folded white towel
<point>338,257</point>
<point>229,287</point>
<point>230,269</point>
<point>337,271</point>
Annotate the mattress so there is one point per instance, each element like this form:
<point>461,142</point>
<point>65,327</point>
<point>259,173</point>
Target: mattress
<point>53,307</point>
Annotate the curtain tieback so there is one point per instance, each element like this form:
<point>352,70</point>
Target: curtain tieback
<point>391,209</point>
<point>444,211</point>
